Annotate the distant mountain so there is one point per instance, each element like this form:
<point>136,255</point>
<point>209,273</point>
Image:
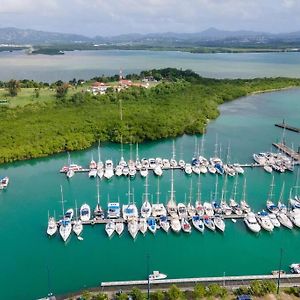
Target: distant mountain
<point>11,35</point>
<point>208,37</point>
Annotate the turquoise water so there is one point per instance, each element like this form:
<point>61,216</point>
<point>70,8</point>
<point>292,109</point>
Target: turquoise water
<point>87,64</point>
<point>26,252</point>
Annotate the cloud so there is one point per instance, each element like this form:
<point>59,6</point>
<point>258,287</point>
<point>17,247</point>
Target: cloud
<point>92,17</point>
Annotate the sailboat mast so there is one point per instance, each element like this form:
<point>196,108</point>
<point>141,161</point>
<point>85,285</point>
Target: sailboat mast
<point>146,189</point>
<point>235,187</point>
<point>76,210</point>
<point>271,189</point>
<point>199,189</point>
<point>157,193</point>
<point>191,191</point>
<point>216,188</point>
<point>122,150</point>
<point>244,190</point>
<point>137,151</point>
<point>62,201</point>
<point>173,150</point>
<point>172,185</point>
<point>195,150</point>
<point>98,192</point>
<point>282,192</point>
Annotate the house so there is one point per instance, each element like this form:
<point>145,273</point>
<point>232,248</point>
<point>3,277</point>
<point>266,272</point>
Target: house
<point>98,88</point>
<point>125,82</point>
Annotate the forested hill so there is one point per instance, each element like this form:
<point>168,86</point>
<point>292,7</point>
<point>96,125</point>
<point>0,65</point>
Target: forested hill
<point>181,103</point>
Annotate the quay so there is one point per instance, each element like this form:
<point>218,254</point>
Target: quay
<point>287,127</point>
<point>229,281</point>
<point>290,152</point>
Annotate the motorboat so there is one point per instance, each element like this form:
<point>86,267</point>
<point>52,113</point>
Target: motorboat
<point>219,223</point>
<point>251,222</point>
<point>185,225</point>
<point>175,224</point>
<point>70,173</point>
<point>198,223</point>
<point>4,182</point>
<point>109,169</point>
<point>274,220</point>
<point>268,168</point>
<point>113,210</point>
<point>295,268</point>
<point>294,215</point>
<point>156,276</point>
<point>85,212</point>
<point>133,227</point>
<point>119,227</point>
<point>152,226</point>
<point>164,223</point>
<point>52,226</point>
<point>264,221</point>
<point>182,212</point>
<point>143,226</point>
<point>209,223</point>
<point>110,228</point>
<point>284,220</point>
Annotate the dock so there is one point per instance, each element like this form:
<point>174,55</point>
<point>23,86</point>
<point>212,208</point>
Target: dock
<point>288,151</point>
<point>230,281</point>
<point>287,127</point>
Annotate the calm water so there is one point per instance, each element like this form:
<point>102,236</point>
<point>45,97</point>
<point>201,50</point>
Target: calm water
<point>87,64</point>
<point>27,253</point>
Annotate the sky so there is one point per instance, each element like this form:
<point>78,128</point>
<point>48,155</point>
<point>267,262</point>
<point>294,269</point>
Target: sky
<point>113,17</point>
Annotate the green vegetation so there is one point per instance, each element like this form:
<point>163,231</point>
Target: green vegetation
<point>13,87</point>
<point>258,288</point>
<point>182,102</point>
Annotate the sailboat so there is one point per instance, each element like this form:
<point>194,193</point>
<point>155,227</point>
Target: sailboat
<point>110,227</point>
<point>251,222</point>
<point>93,168</point>
<point>143,226</point>
<point>146,208</point>
<point>65,227</point>
<point>175,223</point>
<point>244,205</point>
<point>264,221</point>
<point>185,225</point>
<point>198,223</point>
<point>232,202</point>
<point>219,223</point>
<point>129,210</point>
<point>173,162</point>
<point>100,171</point>
<point>133,227</point>
<point>225,207</point>
<point>152,226</point>
<point>77,225</point>
<point>109,169</point>
<point>52,226</point>
<point>119,227</point>
<point>164,223</point>
<point>171,205</point>
<point>98,211</point>
<point>182,211</point>
<point>85,212</point>
<point>270,205</point>
<point>216,161</point>
<point>198,205</point>
<point>215,204</point>
<point>138,163</point>
<point>190,207</point>
<point>209,223</point>
<point>158,209</point>
<point>72,167</point>
<point>281,206</point>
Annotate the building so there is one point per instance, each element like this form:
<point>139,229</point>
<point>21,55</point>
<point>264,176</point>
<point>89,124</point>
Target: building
<point>98,88</point>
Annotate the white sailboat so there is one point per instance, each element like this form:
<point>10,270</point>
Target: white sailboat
<point>175,224</point>
<point>264,221</point>
<point>77,225</point>
<point>281,206</point>
<point>198,223</point>
<point>171,205</point>
<point>219,223</point>
<point>143,226</point>
<point>98,211</point>
<point>164,223</point>
<point>294,215</point>
<point>133,227</point>
<point>110,228</point>
<point>226,209</point>
<point>158,209</point>
<point>146,208</point>
<point>185,225</point>
<point>190,207</point>
<point>109,169</point>
<point>52,226</point>
<point>209,223</point>
<point>284,220</point>
<point>270,205</point>
<point>65,227</point>
<point>232,201</point>
<point>244,205</point>
<point>129,211</point>
<point>198,205</point>
<point>119,227</point>
<point>274,220</point>
<point>100,171</point>
<point>152,226</point>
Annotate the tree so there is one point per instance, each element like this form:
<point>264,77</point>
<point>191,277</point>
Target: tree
<point>158,295</point>
<point>61,91</point>
<point>121,296</point>
<point>137,294</point>
<point>216,290</point>
<point>100,296</point>
<point>199,291</point>
<point>13,87</point>
<point>86,295</point>
<point>36,93</point>
<point>174,293</point>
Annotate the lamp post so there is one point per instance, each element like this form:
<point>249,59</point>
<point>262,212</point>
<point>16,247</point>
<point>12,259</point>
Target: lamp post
<point>279,271</point>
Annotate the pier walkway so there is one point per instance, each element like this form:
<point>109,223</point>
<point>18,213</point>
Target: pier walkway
<point>290,152</point>
<point>287,127</point>
<point>229,281</point>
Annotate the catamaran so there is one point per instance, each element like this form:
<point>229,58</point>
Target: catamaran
<point>158,209</point>
<point>113,210</point>
<point>129,210</point>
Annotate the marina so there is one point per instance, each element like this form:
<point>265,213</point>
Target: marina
<point>287,127</point>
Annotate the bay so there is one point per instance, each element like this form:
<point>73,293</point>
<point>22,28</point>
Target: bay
<point>28,255</point>
<point>87,64</point>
